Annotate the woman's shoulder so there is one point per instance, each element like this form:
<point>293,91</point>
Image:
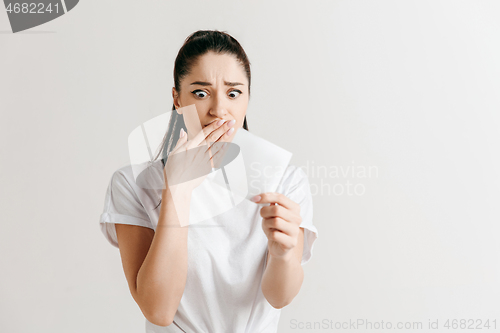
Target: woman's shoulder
<point>147,175</point>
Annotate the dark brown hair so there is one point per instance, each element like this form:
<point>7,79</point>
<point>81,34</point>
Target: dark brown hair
<point>196,45</point>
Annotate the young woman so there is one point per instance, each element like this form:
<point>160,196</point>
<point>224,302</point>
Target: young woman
<point>231,278</point>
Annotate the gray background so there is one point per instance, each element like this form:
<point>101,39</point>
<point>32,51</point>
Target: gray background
<point>409,87</point>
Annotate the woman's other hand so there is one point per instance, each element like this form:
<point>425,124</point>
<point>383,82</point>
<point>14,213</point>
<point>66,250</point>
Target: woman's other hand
<point>281,223</point>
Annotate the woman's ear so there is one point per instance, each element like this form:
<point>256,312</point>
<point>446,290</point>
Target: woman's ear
<point>175,97</point>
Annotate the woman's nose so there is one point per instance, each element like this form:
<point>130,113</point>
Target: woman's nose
<point>218,109</point>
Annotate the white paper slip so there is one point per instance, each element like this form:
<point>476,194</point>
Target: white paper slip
<point>259,168</point>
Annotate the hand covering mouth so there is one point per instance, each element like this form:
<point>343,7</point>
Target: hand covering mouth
<point>212,122</point>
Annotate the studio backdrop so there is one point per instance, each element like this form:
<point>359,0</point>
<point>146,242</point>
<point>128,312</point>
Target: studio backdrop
<point>391,108</point>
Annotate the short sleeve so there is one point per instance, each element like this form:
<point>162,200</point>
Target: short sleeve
<point>295,185</point>
<point>121,205</point>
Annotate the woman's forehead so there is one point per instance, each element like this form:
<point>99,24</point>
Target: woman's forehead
<point>213,67</point>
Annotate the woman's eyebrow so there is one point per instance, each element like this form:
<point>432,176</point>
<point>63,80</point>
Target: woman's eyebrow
<point>201,83</point>
<point>231,84</point>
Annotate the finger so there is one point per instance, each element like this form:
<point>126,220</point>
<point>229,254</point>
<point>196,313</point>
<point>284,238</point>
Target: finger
<point>273,197</point>
<point>214,146</point>
<point>200,138</point>
<point>218,154</point>
<point>181,141</point>
<point>226,131</point>
<point>276,223</point>
<point>283,239</point>
<point>279,211</point>
<point>218,150</point>
<point>201,157</point>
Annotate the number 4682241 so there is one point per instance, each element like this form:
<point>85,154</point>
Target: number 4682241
<point>32,8</point>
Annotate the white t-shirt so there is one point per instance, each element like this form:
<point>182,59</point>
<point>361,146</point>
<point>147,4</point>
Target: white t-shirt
<point>226,254</point>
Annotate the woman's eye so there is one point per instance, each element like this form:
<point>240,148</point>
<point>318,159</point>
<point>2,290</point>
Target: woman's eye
<point>200,93</point>
<point>234,93</point>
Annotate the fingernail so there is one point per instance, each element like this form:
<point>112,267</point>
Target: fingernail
<point>231,130</point>
<point>220,122</point>
<point>182,133</point>
<point>231,123</point>
<point>256,198</point>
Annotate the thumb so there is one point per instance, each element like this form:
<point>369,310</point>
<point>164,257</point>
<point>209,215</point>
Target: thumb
<point>181,141</point>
